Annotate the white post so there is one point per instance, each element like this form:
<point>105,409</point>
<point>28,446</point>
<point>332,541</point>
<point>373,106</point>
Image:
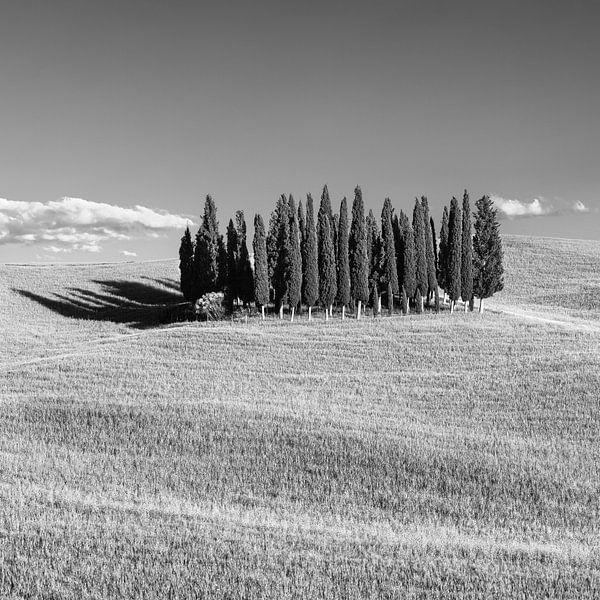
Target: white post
<point>310,313</point>
<point>451,306</point>
<point>262,308</point>
<point>326,315</point>
<point>343,311</point>
<point>480,305</point>
<point>281,312</point>
<point>358,310</point>
<point>292,317</point>
<point>331,310</point>
<point>421,303</point>
<point>466,306</point>
<point>379,306</point>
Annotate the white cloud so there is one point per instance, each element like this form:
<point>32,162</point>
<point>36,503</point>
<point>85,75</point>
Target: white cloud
<point>78,224</point>
<point>538,207</point>
<point>128,253</point>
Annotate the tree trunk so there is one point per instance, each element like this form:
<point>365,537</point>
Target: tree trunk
<point>343,311</point>
<point>471,303</point>
<point>421,300</point>
<point>480,305</point>
<point>262,310</point>
<point>390,300</point>
<point>379,307</point>
<point>281,312</point>
<point>358,310</point>
<point>310,313</point>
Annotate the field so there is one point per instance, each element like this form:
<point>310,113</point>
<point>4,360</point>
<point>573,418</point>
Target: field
<point>429,456</point>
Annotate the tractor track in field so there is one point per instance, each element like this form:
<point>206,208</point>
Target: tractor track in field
<point>84,346</point>
<point>572,325</point>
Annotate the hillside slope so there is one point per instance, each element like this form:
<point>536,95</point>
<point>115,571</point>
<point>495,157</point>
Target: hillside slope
<point>429,456</point>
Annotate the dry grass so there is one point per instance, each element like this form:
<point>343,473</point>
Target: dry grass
<point>421,457</point>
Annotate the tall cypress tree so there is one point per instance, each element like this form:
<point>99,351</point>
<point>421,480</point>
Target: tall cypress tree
<point>432,287</point>
<point>421,279</point>
<point>272,243</point>
<point>232,263</point>
<point>295,260</point>
<point>375,258</point>
<point>454,252</point>
<point>409,280</point>
<point>487,252</point>
<point>443,253</point>
<point>398,243</point>
<point>206,252</point>
<point>390,266</point>
<point>221,263</point>
<point>310,280</point>
<point>327,271</point>
<point>466,286</point>
<point>435,248</point>
<point>282,267</point>
<point>245,278</point>
<point>357,245</point>
<point>186,264</point>
<point>343,263</point>
<point>261,269</point>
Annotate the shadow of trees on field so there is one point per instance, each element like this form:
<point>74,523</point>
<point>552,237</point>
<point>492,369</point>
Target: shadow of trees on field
<point>136,303</point>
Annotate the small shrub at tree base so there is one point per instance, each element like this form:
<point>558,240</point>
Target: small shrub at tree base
<point>211,306</point>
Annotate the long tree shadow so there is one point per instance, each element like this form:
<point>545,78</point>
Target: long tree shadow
<point>135,303</point>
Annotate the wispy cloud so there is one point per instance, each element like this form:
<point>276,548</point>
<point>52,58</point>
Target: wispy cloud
<point>128,253</point>
<point>538,207</point>
<point>72,224</point>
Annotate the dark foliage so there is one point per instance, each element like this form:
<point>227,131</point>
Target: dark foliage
<point>186,264</point>
<point>261,270</point>
<point>357,244</point>
<point>310,281</point>
<point>343,263</point>
<point>488,270</point>
<point>454,250</point>
<point>466,264</point>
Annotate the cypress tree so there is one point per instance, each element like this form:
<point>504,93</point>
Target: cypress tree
<point>232,262</point>
<point>421,278</point>
<point>409,281</point>
<point>487,252</point>
<point>325,284</point>
<point>295,260</point>
<point>435,248</point>
<point>186,264</point>
<point>375,258</point>
<point>206,252</point>
<point>245,278</point>
<point>398,244</point>
<point>282,267</point>
<point>327,271</point>
<point>310,280</point>
<point>221,263</point>
<point>443,253</point>
<point>272,237</point>
<point>454,252</point>
<point>357,245</point>
<point>261,269</point>
<point>432,287</point>
<point>343,264</point>
<point>302,228</point>
<point>390,266</point>
<point>466,286</point>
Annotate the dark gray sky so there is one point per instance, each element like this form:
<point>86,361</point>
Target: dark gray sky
<point>158,103</point>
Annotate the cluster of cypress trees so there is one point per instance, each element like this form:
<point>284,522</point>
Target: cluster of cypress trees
<point>346,260</point>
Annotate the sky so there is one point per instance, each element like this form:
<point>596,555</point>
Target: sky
<point>118,117</point>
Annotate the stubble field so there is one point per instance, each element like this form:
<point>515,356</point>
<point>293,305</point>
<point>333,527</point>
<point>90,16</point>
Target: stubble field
<point>430,456</point>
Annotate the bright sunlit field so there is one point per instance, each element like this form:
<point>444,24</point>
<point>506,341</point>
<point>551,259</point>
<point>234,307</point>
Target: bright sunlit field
<point>428,456</point>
